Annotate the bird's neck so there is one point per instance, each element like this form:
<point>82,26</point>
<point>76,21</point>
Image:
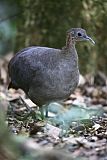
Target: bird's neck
<point>69,48</point>
<point>70,43</point>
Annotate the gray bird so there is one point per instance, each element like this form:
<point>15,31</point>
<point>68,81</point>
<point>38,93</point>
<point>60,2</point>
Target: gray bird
<point>47,74</point>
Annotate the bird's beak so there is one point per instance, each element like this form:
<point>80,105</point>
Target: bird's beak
<point>90,39</point>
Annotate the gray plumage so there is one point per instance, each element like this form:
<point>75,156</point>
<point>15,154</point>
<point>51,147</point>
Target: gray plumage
<point>47,74</point>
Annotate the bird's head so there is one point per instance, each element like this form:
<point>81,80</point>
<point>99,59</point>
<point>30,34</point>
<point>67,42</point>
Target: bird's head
<point>79,34</point>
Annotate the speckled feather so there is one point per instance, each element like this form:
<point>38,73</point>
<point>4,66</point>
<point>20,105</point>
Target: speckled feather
<point>46,74</point>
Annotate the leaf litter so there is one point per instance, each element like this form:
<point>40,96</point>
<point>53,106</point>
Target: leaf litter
<point>75,129</point>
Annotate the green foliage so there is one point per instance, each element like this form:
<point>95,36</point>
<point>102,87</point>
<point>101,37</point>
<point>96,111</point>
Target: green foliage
<point>75,113</point>
<point>7,27</point>
<point>45,23</point>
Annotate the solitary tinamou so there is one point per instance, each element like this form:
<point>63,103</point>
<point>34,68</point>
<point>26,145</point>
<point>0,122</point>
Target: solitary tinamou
<point>47,74</point>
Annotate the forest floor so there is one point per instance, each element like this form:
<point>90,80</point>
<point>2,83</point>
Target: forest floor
<point>76,129</point>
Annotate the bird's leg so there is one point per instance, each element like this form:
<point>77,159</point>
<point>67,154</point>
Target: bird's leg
<point>46,109</point>
<point>42,112</point>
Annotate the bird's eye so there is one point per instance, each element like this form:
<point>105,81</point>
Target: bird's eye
<point>79,34</point>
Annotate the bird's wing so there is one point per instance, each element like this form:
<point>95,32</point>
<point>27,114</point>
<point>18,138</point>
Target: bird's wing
<point>27,62</point>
